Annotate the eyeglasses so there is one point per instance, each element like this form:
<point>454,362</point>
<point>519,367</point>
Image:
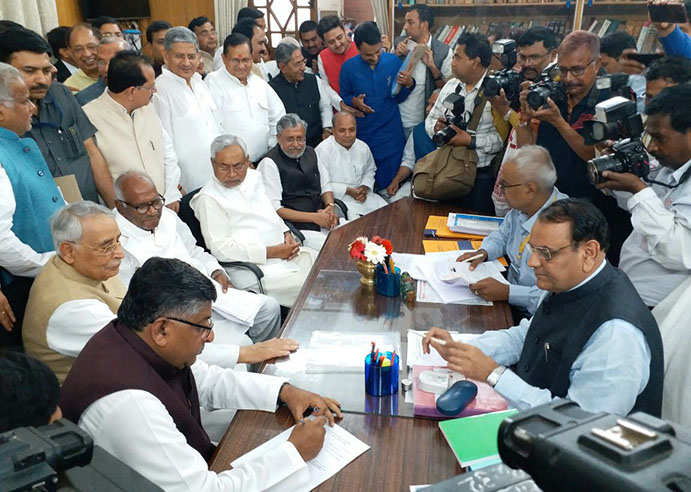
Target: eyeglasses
<point>543,252</point>
<point>142,208</point>
<point>108,249</point>
<point>204,331</point>
<point>144,88</point>
<point>503,185</point>
<point>575,71</point>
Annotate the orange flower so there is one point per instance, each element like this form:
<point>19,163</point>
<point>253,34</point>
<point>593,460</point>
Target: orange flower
<point>388,246</point>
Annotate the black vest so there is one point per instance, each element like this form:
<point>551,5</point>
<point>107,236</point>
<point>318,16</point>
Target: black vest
<point>303,99</point>
<point>117,359</point>
<point>300,182</point>
<point>566,322</point>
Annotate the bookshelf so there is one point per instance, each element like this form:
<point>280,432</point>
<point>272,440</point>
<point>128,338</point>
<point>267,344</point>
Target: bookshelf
<point>506,15</point>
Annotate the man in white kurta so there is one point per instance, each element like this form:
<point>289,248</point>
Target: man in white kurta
<point>186,108</point>
<point>159,232</point>
<point>350,166</point>
<point>249,107</point>
<point>239,223</point>
<point>128,130</point>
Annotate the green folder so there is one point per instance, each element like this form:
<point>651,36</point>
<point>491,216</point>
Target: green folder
<point>474,439</point>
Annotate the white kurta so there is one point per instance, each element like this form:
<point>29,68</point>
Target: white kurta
<point>135,142</point>
<point>241,309</point>
<point>191,119</point>
<point>135,427</point>
<point>239,223</point>
<point>248,111</point>
<point>350,168</point>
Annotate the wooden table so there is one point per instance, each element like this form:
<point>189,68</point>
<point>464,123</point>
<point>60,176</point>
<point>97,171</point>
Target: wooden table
<point>404,450</point>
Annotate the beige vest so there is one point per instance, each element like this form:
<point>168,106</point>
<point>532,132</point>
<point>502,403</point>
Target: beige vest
<point>128,142</point>
<point>56,284</point>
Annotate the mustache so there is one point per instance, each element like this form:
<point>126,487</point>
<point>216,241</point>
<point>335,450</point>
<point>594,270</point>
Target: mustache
<point>39,87</point>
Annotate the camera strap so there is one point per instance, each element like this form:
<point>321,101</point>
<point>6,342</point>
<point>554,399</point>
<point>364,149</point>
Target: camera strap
<point>474,122</point>
<point>682,180</point>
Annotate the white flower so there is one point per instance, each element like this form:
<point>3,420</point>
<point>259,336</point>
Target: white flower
<point>375,253</point>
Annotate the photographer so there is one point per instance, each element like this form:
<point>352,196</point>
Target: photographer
<point>666,72</point>
<point>614,50</point>
<point>656,256</point>
<point>536,52</point>
<point>471,58</point>
<point>560,128</point>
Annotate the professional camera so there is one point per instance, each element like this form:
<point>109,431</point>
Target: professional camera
<point>618,85</point>
<point>455,103</point>
<point>31,457</point>
<point>545,88</point>
<point>507,79</point>
<point>565,448</point>
<point>617,119</point>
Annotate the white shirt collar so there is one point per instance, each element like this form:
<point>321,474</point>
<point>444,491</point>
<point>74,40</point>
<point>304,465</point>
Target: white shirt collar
<point>591,276</point>
<point>676,175</point>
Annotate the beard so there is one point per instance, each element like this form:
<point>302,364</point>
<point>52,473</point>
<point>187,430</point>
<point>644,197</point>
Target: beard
<point>294,155</point>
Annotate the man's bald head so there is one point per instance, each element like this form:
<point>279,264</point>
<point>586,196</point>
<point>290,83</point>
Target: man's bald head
<point>344,129</point>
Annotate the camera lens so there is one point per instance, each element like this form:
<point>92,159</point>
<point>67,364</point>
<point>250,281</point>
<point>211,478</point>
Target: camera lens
<point>493,85</point>
<point>537,97</point>
<point>443,136</point>
<point>601,164</point>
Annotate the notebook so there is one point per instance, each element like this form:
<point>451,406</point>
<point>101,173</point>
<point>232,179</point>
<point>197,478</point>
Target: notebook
<point>436,227</point>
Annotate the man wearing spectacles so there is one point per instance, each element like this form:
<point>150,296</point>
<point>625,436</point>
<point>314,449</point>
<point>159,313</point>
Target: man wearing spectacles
<point>592,339</point>
<point>536,53</point>
<point>153,230</point>
<point>129,133</point>
<point>29,197</point>
<point>137,388</point>
<point>78,291</point>
<point>528,185</point>
<point>558,126</point>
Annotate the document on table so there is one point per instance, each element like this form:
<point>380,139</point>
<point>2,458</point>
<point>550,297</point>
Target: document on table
<point>340,448</point>
<point>415,356</point>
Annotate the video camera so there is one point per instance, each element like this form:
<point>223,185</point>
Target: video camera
<point>617,119</point>
<point>455,103</point>
<point>507,78</point>
<point>545,88</point>
<point>560,447</point>
<point>31,457</point>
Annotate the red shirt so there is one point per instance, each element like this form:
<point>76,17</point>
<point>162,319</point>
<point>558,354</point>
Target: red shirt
<point>333,63</point>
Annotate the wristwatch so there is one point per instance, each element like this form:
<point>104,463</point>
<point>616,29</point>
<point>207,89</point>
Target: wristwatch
<point>494,376</point>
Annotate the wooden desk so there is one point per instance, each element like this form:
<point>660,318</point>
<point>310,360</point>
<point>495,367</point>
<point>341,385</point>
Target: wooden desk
<point>404,450</point>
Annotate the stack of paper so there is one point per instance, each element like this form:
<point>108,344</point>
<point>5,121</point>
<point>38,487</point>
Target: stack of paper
<point>237,305</point>
<point>340,448</point>
<point>474,439</point>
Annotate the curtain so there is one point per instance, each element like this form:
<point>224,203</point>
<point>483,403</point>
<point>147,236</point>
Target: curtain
<point>381,15</point>
<point>226,14</point>
<point>38,15</point>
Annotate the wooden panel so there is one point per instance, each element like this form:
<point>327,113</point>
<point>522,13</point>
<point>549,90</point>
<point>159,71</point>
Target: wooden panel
<point>178,13</point>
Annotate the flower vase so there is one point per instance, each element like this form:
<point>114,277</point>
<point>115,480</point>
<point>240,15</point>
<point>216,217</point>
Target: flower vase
<point>367,270</point>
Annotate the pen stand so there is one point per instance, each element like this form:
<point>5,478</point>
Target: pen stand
<point>381,381</point>
<point>388,284</point>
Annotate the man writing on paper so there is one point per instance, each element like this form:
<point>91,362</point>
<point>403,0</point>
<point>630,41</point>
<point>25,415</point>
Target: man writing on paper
<point>592,340</point>
<point>137,387</point>
<point>528,184</point>
<point>153,230</point>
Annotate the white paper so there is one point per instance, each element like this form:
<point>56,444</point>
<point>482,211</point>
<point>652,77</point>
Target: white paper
<point>340,448</point>
<point>415,356</point>
<point>459,273</point>
<point>425,293</point>
<point>237,305</point>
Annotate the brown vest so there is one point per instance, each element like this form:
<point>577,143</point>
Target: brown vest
<point>56,284</point>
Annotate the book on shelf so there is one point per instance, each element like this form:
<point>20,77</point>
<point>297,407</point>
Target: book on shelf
<point>642,35</point>
<point>604,27</point>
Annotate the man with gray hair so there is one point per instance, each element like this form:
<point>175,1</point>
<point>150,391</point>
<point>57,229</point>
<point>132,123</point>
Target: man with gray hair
<point>297,183</point>
<point>239,223</point>
<point>107,49</point>
<point>528,183</point>
<point>78,291</point>
<point>187,111</point>
<point>249,107</point>
<point>29,197</point>
<point>302,93</point>
<point>154,230</point>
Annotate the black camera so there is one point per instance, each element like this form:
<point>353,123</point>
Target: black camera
<point>507,79</point>
<point>454,103</point>
<point>565,448</point>
<point>617,119</point>
<point>618,85</point>
<point>31,457</point>
<point>545,88</point>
